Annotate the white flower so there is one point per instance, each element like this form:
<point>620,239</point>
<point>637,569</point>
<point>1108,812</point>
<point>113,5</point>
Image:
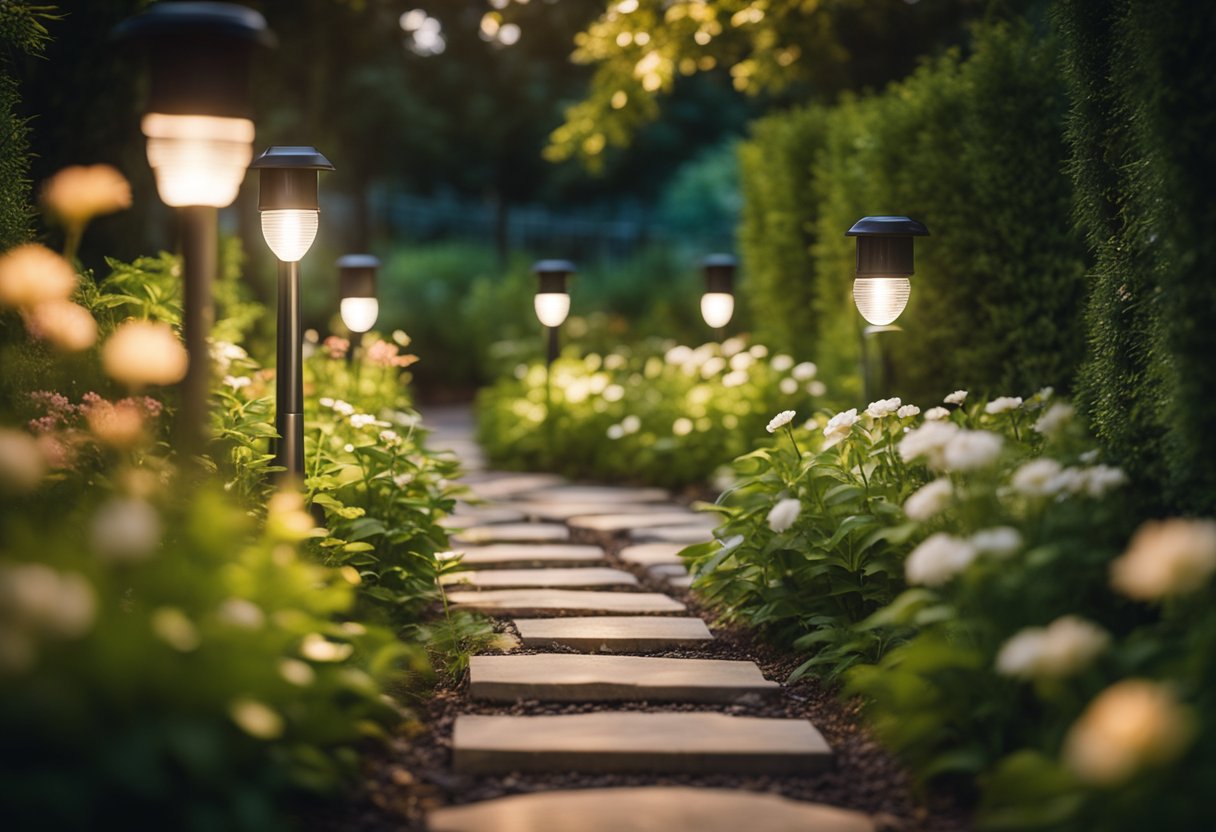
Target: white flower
<point>781,420</point>
<point>1055,419</point>
<point>241,613</point>
<point>1062,648</point>
<point>615,432</point>
<point>938,559</point>
<point>742,361</point>
<point>936,414</point>
<point>758,350</point>
<point>1166,558</point>
<point>788,386</point>
<point>969,450</point>
<point>781,362</point>
<point>840,425</point>
<point>363,420</point>
<point>237,382</point>
<point>737,378</point>
<point>682,426</point>
<point>389,437</point>
<point>223,353</point>
<point>907,411</point>
<point>1045,393</point>
<point>1003,404</point>
<point>1132,724</point>
<point>732,345</point>
<point>712,366</point>
<point>805,371</point>
<point>883,407</point>
<point>22,464</point>
<point>928,441</point>
<point>677,355</point>
<point>816,388</point>
<point>631,424</point>
<point>1001,541</point>
<point>957,397</point>
<point>1089,457</point>
<point>783,515</point>
<point>64,324</point>
<point>1037,478</point>
<point>929,500</point>
<point>40,599</point>
<point>614,393</point>
<point>143,352</point>
<point>125,530</point>
<point>325,401</point>
<point>1100,479</point>
<point>344,408</point>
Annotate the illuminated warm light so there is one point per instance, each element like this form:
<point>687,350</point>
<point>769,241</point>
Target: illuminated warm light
<point>198,160</point>
<point>881,300</point>
<point>290,233</point>
<point>509,34</point>
<point>359,314</point>
<point>552,308</point>
<point>717,308</point>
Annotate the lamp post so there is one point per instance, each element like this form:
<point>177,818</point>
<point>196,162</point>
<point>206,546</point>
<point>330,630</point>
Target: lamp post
<point>552,304</point>
<point>718,302</point>
<point>357,292</point>
<point>198,124</point>
<point>881,286</point>
<point>287,200</point>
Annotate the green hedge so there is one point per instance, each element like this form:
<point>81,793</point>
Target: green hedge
<point>973,148</point>
<point>1143,113</point>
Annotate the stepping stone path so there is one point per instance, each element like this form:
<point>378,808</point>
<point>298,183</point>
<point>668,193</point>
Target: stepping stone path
<point>569,578</point>
<point>590,621</point>
<point>613,633</point>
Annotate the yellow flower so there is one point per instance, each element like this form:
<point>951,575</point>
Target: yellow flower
<point>1131,724</point>
<point>78,193</point>
<point>31,274</point>
<point>143,352</point>
<point>65,324</point>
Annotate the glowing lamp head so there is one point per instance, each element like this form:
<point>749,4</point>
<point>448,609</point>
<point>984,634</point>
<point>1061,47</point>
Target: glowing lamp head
<point>197,117</point>
<point>552,302</point>
<point>357,290</point>
<point>884,263</point>
<point>718,302</point>
<point>287,198</point>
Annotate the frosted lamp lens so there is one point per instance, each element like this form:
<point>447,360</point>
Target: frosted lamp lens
<point>198,160</point>
<point>881,300</point>
<point>552,307</point>
<point>717,308</point>
<point>290,232</point>
<point>359,314</point>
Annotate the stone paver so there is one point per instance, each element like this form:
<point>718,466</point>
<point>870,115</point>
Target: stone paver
<point>576,578</point>
<point>681,582</point>
<point>625,522</point>
<point>497,555</point>
<point>469,516</point>
<point>499,488</point>
<point>672,534</point>
<point>614,633</point>
<point>512,533</point>
<point>529,601</point>
<point>560,511</point>
<point>647,809</point>
<point>663,571</point>
<point>562,677</point>
<point>653,554</point>
<point>597,494</point>
<point>615,741</point>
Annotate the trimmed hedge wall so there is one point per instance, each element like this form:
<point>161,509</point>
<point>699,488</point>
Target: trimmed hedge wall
<point>1140,129</point>
<point>973,148</point>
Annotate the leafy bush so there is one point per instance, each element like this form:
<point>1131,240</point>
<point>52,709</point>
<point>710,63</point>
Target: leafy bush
<point>1142,108</point>
<point>971,147</point>
<point>663,414</point>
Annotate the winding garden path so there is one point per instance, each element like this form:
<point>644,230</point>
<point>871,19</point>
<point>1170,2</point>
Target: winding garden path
<point>618,709</point>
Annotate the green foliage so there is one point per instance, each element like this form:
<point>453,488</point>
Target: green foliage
<point>1139,74</point>
<point>971,147</point>
<point>659,413</point>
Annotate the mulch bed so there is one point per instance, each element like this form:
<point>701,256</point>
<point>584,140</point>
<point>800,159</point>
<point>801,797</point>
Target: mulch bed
<point>413,775</point>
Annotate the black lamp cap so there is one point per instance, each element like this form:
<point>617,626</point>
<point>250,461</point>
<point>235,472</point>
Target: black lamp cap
<point>553,274</point>
<point>887,227</point>
<point>357,275</point>
<point>288,178</point>
<point>199,54</point>
<point>884,245</point>
<point>720,273</point>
